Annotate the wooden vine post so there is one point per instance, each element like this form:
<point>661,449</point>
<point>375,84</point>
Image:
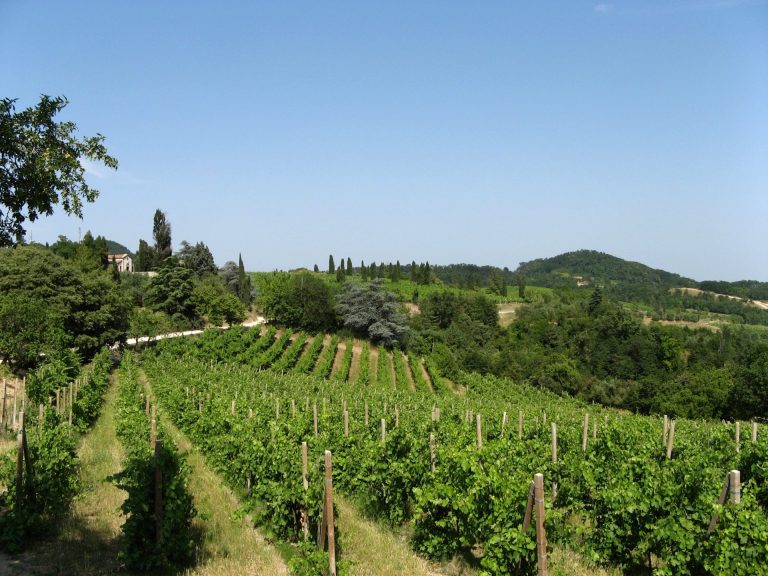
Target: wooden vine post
<point>327,533</point>
<point>2,411</point>
<point>585,433</point>
<point>432,455</point>
<point>541,535</point>
<point>731,487</point>
<point>479,431</point>
<point>21,440</point>
<point>671,440</point>
<point>314,417</point>
<point>520,425</point>
<point>754,432</point>
<point>738,437</point>
<point>305,483</point>
<point>158,490</point>
<point>554,457</point>
<point>383,430</point>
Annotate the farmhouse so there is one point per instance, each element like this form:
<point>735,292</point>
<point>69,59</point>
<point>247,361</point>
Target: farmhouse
<point>124,262</point>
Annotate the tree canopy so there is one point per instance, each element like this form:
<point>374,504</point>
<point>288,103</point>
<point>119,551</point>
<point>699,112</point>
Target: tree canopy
<point>41,165</point>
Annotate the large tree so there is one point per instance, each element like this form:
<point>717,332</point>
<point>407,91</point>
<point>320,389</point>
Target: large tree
<point>41,165</point>
<point>161,232</point>
<point>82,310</point>
<point>197,258</point>
<point>373,312</point>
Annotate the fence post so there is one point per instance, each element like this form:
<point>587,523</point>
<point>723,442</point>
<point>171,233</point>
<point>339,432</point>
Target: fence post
<point>346,423</point>
<point>585,432</point>
<point>366,414</point>
<point>520,425</point>
<point>314,417</point>
<point>738,437</point>
<point>541,535</point>
<point>754,431</point>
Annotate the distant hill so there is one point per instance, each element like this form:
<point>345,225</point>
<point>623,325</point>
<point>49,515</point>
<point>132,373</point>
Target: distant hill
<point>117,248</point>
<point>627,280</point>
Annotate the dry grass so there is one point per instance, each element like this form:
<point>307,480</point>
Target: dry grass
<point>87,543</point>
<point>375,551</point>
<point>228,546</point>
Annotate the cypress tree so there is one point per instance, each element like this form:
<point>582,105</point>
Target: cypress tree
<point>349,266</point>
<point>363,271</point>
<point>331,265</point>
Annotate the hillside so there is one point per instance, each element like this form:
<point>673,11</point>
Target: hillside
<point>117,248</point>
<point>598,268</point>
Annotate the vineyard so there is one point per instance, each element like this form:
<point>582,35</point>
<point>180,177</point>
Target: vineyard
<point>621,490</point>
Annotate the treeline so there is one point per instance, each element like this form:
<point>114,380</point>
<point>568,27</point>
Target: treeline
<point>590,347</point>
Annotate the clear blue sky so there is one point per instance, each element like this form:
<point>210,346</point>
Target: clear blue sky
<point>481,132</point>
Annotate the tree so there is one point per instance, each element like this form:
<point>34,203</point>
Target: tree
<point>41,165</point>
<point>521,286</point>
<point>297,300</point>
<point>363,271</point>
<point>349,266</point>
<point>197,258</point>
<point>86,310</point>
<point>316,268</point>
<point>145,257</point>
<point>341,272</point>
<point>216,303</point>
<point>331,265</point>
<point>244,287</point>
<point>161,232</point>
<point>171,292</point>
<point>373,312</point>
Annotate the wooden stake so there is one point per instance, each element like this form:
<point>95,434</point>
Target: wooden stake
<point>738,437</point>
<point>432,456</point>
<point>671,440</point>
<point>383,430</point>
<point>735,486</point>
<point>541,535</point>
<point>232,408</point>
<point>5,395</point>
<point>754,431</point>
<point>520,425</point>
<point>554,442</point>
<point>720,501</point>
<point>153,430</point>
<point>346,423</point>
<point>277,409</point>
<point>594,430</point>
<point>158,447</point>
<point>528,509</point>
<point>329,508</point>
<point>366,414</point>
<point>293,408</point>
<point>479,431</point>
<point>665,431</point>
<point>20,465</point>
<point>250,413</point>
<point>503,423</point>
<point>314,417</point>
<point>585,433</point>
<point>554,458</point>
<point>305,482</point>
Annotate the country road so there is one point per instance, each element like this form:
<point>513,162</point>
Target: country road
<point>258,321</point>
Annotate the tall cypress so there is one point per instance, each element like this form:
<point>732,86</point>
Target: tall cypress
<point>331,265</point>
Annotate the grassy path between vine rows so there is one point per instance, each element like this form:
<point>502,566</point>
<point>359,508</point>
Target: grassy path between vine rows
<point>87,543</point>
<point>229,546</point>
